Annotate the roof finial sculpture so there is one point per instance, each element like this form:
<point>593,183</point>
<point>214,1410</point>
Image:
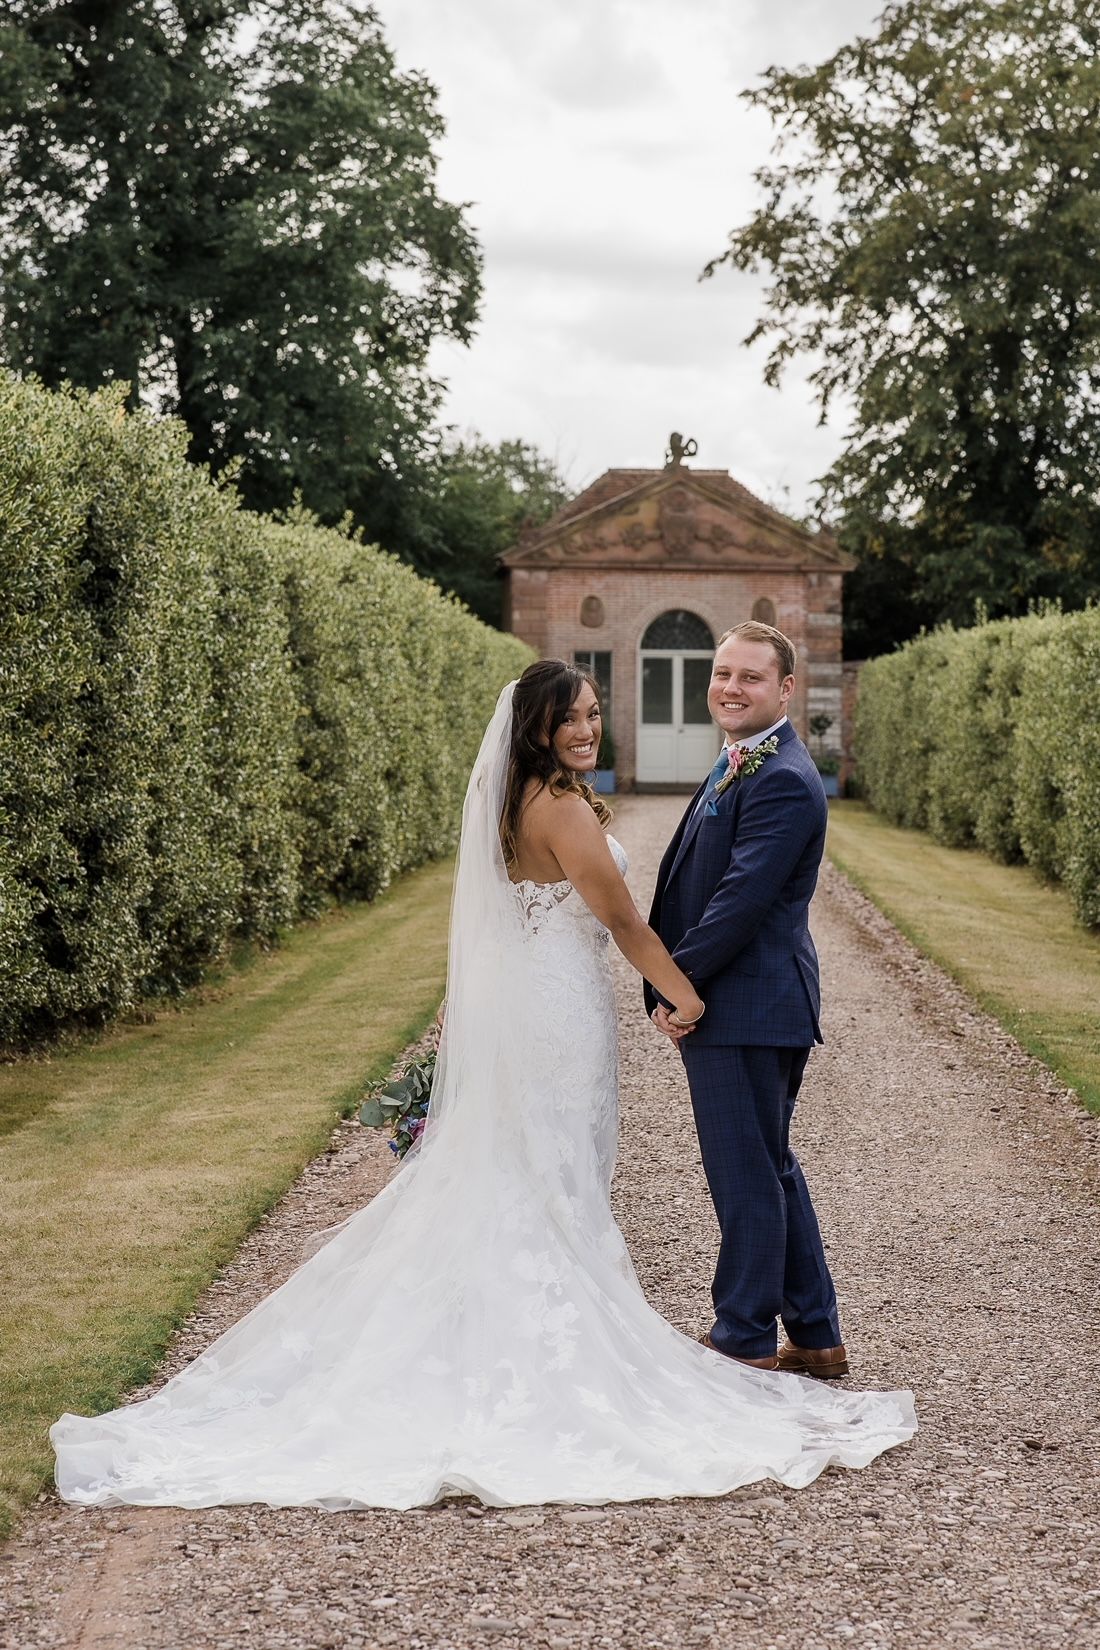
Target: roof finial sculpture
<point>679,449</point>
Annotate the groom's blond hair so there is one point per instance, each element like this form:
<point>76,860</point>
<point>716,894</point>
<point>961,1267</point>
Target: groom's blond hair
<point>751,630</point>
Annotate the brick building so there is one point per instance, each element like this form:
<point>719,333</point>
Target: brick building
<point>637,578</point>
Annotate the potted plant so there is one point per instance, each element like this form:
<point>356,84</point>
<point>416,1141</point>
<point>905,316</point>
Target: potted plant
<point>828,766</point>
<point>826,762</point>
<point>603,780</point>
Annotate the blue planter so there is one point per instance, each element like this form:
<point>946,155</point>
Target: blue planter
<point>831,782</point>
<point>603,781</point>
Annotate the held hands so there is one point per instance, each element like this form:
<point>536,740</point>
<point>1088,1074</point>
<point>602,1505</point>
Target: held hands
<point>680,1022</point>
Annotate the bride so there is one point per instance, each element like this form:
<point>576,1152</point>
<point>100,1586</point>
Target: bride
<point>478,1327</point>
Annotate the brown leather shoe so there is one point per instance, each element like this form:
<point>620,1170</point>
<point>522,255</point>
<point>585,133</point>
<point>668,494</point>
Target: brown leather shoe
<point>827,1362</point>
<point>750,1363</point>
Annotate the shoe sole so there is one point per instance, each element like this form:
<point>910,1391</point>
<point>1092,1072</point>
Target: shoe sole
<point>832,1373</point>
<point>769,1369</point>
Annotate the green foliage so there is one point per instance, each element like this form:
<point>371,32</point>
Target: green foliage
<point>884,600</point>
<point>987,738</point>
<point>211,723</point>
<point>233,211</point>
<point>461,506</point>
<point>893,734</point>
<point>930,230</point>
<point>402,1105</point>
<point>232,208</point>
<point>1058,759</point>
<point>825,758</point>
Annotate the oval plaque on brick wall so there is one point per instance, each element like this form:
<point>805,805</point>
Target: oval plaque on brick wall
<point>763,611</point>
<point>592,613</point>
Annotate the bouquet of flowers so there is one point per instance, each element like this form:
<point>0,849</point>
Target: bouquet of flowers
<point>402,1105</point>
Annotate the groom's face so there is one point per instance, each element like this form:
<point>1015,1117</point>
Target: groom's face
<point>747,693</point>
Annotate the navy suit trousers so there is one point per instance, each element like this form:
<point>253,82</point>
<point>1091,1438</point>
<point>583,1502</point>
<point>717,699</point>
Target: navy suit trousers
<point>771,1262</point>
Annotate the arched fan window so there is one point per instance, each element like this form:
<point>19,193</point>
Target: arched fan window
<point>685,632</point>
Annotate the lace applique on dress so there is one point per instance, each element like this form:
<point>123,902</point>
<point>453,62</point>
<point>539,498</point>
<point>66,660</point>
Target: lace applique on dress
<point>538,899</point>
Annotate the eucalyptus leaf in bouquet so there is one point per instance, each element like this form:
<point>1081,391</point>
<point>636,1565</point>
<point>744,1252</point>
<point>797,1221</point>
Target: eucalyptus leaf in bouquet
<point>401,1105</point>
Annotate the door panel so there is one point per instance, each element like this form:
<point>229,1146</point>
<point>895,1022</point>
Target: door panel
<point>677,742</point>
<point>656,728</point>
<point>657,691</point>
<point>696,712</point>
<point>698,739</point>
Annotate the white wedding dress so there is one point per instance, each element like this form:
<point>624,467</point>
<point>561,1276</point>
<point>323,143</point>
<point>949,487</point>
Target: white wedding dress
<point>478,1327</point>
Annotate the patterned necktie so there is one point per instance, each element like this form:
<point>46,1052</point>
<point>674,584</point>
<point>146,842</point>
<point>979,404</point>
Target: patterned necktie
<point>719,771</point>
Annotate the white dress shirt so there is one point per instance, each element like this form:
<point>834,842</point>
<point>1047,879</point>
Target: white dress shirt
<point>754,739</point>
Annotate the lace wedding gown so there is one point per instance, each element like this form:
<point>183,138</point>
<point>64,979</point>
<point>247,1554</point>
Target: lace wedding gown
<point>478,1327</point>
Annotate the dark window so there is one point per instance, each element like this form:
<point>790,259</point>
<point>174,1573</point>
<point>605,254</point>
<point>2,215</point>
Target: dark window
<point>598,664</point>
<point>696,683</point>
<point>657,691</point>
<point>678,629</point>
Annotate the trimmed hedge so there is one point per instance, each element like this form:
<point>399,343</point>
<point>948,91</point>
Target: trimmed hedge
<point>211,723</point>
<point>991,738</point>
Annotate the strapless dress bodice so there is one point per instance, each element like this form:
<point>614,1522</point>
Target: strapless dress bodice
<point>539,901</point>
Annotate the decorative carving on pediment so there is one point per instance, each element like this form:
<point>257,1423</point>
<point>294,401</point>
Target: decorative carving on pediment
<point>676,516</point>
<point>718,537</point>
<point>583,544</point>
<point>678,522</point>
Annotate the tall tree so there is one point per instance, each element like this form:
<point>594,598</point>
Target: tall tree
<point>464,505</point>
<point>232,205</point>
<point>931,226</point>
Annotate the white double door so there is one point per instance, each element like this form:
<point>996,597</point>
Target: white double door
<point>677,741</point>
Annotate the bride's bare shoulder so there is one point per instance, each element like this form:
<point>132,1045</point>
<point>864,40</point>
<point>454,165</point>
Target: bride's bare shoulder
<point>549,811</point>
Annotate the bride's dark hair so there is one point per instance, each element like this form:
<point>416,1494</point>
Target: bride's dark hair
<point>540,705</point>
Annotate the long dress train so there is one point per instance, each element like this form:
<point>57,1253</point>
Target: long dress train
<point>478,1327</point>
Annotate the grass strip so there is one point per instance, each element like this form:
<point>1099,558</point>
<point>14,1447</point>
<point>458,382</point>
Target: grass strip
<point>134,1166</point>
<point>1010,939</point>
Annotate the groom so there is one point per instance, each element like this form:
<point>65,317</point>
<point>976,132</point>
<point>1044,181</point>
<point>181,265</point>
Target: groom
<point>731,905</point>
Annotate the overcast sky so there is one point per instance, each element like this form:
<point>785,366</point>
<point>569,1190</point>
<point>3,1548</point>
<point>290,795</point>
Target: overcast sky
<point>606,154</point>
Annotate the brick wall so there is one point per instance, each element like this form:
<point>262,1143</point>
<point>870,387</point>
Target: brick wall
<point>544,608</point>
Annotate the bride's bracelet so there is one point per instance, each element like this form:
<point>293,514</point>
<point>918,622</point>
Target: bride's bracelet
<point>675,1019</point>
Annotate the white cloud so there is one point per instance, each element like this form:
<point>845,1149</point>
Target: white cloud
<point>607,154</point>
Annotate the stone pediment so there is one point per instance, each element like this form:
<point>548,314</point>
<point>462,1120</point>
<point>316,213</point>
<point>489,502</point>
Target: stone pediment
<point>675,517</point>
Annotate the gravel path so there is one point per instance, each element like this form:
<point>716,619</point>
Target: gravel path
<point>957,1188</point>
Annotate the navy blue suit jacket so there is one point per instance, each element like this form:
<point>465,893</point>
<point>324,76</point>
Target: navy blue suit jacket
<point>732,901</point>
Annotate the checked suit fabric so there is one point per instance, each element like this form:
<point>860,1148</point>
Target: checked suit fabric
<point>731,905</point>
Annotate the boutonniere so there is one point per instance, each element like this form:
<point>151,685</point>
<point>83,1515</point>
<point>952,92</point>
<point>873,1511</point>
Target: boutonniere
<point>744,763</point>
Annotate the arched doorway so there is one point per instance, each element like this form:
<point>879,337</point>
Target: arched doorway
<point>677,741</point>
